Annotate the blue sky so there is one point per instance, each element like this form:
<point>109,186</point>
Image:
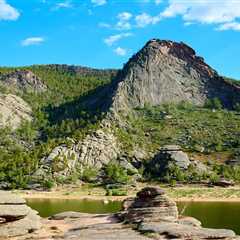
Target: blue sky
<point>105,33</point>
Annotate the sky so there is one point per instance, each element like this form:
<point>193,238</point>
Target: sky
<point>106,33</point>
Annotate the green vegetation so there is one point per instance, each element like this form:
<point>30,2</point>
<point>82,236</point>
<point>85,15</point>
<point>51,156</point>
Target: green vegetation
<point>58,114</point>
<point>191,127</point>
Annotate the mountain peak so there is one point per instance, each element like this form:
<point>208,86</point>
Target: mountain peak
<point>170,72</point>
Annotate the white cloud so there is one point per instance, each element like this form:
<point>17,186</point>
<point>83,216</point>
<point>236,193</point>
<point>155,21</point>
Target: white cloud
<point>66,4</point>
<point>229,26</point>
<point>204,11</point>
<point>7,12</point>
<point>123,21</point>
<point>145,19</point>
<point>99,2</point>
<point>32,41</point>
<point>115,38</point>
<point>124,16</point>
<point>120,51</point>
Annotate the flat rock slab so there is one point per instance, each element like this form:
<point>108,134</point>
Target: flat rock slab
<point>21,227</point>
<point>14,211</point>
<point>105,232</point>
<point>9,198</point>
<point>186,231</point>
<point>71,215</point>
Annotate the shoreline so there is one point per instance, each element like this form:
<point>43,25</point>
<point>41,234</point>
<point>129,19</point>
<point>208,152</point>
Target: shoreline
<point>179,194</point>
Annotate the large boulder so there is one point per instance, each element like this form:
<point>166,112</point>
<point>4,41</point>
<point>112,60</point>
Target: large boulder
<point>168,156</point>
<point>151,204</point>
<point>16,218</point>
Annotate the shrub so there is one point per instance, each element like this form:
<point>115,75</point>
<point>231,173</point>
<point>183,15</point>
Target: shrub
<point>114,173</point>
<point>89,174</point>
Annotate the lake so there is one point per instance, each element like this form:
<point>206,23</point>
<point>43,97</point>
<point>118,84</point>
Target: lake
<point>211,214</point>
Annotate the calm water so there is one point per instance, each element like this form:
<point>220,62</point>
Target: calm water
<point>211,214</point>
<point>48,207</point>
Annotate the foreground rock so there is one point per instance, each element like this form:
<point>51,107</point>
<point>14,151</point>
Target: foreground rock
<point>152,215</point>
<point>16,217</point>
<point>157,214</point>
<point>151,204</point>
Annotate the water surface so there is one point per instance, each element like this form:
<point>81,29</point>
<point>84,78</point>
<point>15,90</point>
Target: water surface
<point>211,214</point>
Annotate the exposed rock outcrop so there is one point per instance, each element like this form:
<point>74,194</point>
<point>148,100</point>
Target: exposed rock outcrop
<point>23,80</point>
<point>169,72</point>
<point>95,151</point>
<point>13,110</point>
<point>16,217</point>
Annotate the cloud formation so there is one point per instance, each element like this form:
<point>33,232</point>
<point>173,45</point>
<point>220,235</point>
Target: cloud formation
<point>115,38</point>
<point>32,41</point>
<point>99,2</point>
<point>123,21</point>
<point>223,13</point>
<point>7,12</point>
<point>120,51</point>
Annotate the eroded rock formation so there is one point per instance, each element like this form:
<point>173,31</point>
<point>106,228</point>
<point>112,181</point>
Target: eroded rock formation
<point>16,217</point>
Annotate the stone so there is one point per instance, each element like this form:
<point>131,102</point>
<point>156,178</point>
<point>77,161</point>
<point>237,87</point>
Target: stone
<point>71,215</point>
<point>185,231</point>
<point>189,221</point>
<point>151,204</point>
<point>9,198</point>
<point>14,211</point>
<point>224,183</point>
<point>16,218</point>
<point>168,156</point>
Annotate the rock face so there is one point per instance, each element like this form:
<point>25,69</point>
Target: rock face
<point>16,218</point>
<point>95,151</point>
<point>13,110</point>
<point>168,156</point>
<point>151,204</point>
<point>23,80</point>
<point>167,72</point>
<point>156,213</point>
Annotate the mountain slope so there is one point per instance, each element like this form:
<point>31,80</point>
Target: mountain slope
<point>170,72</point>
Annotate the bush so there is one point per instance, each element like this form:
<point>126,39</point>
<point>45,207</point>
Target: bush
<point>214,103</point>
<point>89,175</point>
<point>114,173</point>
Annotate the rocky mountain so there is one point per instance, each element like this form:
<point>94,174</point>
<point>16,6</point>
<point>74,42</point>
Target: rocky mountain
<point>170,72</point>
<point>23,80</point>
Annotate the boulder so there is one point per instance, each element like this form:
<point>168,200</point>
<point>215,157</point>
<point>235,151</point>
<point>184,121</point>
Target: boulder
<point>151,204</point>
<point>168,156</point>
<point>182,231</point>
<point>16,218</point>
